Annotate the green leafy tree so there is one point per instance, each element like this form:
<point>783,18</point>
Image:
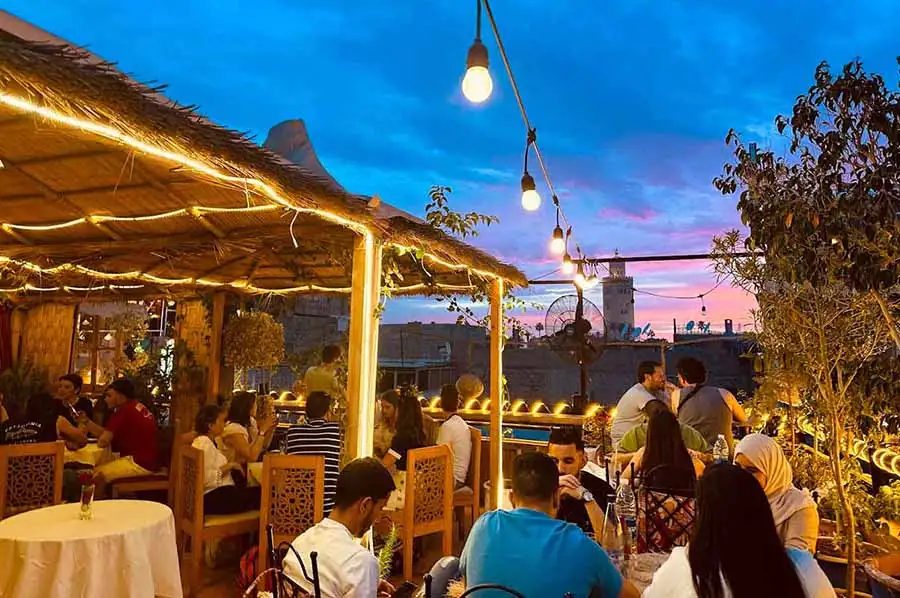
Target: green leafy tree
<point>829,210</point>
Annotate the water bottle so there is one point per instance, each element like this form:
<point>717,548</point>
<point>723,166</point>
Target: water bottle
<point>626,513</point>
<point>612,540</point>
<point>720,450</point>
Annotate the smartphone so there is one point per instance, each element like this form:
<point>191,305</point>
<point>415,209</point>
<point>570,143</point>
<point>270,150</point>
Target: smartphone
<point>405,590</point>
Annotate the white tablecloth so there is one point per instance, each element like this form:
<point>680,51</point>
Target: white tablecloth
<point>127,550</point>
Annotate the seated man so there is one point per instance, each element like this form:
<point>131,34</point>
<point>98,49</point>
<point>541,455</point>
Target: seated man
<point>345,567</point>
<point>69,405</point>
<point>549,557</point>
<point>36,424</point>
<point>636,438</point>
<point>131,432</point>
<point>583,495</point>
<point>454,432</point>
<point>318,437</point>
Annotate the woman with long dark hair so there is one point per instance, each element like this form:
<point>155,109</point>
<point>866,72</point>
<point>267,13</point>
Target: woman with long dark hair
<point>664,461</point>
<point>735,551</point>
<point>237,441</point>
<point>410,432</point>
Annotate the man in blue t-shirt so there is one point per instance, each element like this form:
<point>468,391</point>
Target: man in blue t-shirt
<point>529,551</point>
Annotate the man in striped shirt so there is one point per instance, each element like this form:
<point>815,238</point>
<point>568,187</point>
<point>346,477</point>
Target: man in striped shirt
<point>318,437</point>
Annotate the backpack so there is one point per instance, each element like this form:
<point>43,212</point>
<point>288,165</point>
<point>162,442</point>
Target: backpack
<point>249,568</point>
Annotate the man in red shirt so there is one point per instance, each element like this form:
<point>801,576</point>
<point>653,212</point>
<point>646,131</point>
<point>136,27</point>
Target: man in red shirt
<point>130,431</point>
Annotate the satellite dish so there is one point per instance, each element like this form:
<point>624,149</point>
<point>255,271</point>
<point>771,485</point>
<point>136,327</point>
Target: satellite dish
<point>646,329</point>
<point>636,333</point>
<point>689,326</point>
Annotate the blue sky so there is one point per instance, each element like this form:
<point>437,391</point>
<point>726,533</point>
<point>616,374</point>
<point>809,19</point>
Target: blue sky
<point>631,101</point>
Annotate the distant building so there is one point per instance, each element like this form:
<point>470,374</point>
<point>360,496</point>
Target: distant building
<point>618,302</point>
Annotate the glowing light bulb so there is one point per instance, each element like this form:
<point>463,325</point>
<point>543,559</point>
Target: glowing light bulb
<point>579,277</point>
<point>477,84</point>
<point>531,201</point>
<point>568,266</point>
<point>558,242</point>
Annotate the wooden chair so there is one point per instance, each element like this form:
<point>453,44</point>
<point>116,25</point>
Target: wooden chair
<point>467,500</point>
<point>30,476</point>
<point>428,503</point>
<point>190,522</point>
<point>163,480</point>
<point>293,498</point>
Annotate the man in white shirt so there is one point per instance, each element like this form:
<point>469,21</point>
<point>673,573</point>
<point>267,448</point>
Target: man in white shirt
<point>455,433</point>
<point>345,567</point>
<point>651,385</point>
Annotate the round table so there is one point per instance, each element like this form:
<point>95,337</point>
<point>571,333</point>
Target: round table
<point>127,549</point>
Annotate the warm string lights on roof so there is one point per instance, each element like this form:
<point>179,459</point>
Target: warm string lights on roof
<point>477,87</point>
<point>195,164</point>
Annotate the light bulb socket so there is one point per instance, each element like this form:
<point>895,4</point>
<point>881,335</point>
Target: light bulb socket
<point>558,234</point>
<point>528,182</point>
<point>567,259</point>
<point>478,55</point>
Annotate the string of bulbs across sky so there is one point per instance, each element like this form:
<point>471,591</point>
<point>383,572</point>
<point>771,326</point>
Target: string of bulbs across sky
<point>477,87</point>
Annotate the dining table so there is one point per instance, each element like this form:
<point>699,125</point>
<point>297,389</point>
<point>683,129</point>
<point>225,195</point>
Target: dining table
<point>127,548</point>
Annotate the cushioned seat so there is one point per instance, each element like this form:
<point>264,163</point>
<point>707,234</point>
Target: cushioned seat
<point>463,494</point>
<point>211,520</point>
<point>160,476</point>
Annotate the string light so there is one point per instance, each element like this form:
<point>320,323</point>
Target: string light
<point>579,277</point>
<point>531,200</point>
<point>115,135</point>
<point>477,84</point>
<point>568,266</point>
<point>558,240</point>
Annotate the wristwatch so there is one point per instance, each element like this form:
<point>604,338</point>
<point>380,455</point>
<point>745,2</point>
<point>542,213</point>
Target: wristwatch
<point>586,496</point>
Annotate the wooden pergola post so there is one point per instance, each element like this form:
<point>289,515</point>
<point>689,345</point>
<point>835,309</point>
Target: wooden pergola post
<point>362,358</point>
<point>216,337</point>
<point>496,390</point>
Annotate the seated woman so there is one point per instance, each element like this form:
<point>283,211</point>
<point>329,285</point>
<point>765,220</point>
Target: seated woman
<point>36,424</point>
<point>410,435</point>
<point>735,550</point>
<point>794,511</point>
<point>236,441</point>
<point>386,428</point>
<point>221,496</point>
<point>665,461</point>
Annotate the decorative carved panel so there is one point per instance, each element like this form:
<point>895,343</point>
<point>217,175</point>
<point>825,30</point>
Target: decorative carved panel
<point>30,482</point>
<point>429,491</point>
<point>189,474</point>
<point>292,501</point>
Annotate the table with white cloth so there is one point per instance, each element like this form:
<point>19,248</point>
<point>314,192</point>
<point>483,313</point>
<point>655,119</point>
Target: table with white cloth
<point>127,550</point>
<point>89,454</point>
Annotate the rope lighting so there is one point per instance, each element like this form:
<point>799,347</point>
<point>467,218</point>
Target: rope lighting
<point>265,189</point>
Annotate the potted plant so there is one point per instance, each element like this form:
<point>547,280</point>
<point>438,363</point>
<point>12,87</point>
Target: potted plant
<point>253,339</point>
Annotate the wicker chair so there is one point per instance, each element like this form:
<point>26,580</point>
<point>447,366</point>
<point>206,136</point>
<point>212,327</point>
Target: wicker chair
<point>467,500</point>
<point>665,516</point>
<point>428,504</point>
<point>30,476</point>
<point>190,522</point>
<point>293,495</point>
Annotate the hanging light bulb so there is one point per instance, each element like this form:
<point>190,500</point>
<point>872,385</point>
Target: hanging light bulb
<point>477,84</point>
<point>568,266</point>
<point>558,242</point>
<point>531,201</point>
<point>579,277</point>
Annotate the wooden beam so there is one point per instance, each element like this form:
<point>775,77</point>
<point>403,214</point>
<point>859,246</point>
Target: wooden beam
<point>215,346</point>
<point>496,389</point>
<point>99,189</point>
<point>196,215</point>
<point>97,153</point>
<point>362,360</point>
<point>224,265</point>
<point>16,235</point>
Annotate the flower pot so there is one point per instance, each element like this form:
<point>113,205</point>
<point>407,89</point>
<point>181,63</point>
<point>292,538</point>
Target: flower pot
<point>835,565</point>
<point>883,573</point>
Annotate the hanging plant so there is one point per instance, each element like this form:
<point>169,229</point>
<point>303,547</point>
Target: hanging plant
<point>253,340</point>
<point>130,326</point>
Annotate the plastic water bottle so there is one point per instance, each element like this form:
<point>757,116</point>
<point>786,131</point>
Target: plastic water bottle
<point>626,512</point>
<point>720,450</point>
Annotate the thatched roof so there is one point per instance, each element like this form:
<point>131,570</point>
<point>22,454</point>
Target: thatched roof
<point>102,176</point>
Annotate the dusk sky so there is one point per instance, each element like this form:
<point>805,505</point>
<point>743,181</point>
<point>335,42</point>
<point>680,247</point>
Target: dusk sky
<point>631,100</point>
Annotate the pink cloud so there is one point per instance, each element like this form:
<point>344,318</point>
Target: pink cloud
<point>642,215</point>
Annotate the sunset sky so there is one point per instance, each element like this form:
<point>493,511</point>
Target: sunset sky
<point>631,100</point>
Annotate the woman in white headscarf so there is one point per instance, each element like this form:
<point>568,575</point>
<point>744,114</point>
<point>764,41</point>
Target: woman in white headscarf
<point>795,512</point>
